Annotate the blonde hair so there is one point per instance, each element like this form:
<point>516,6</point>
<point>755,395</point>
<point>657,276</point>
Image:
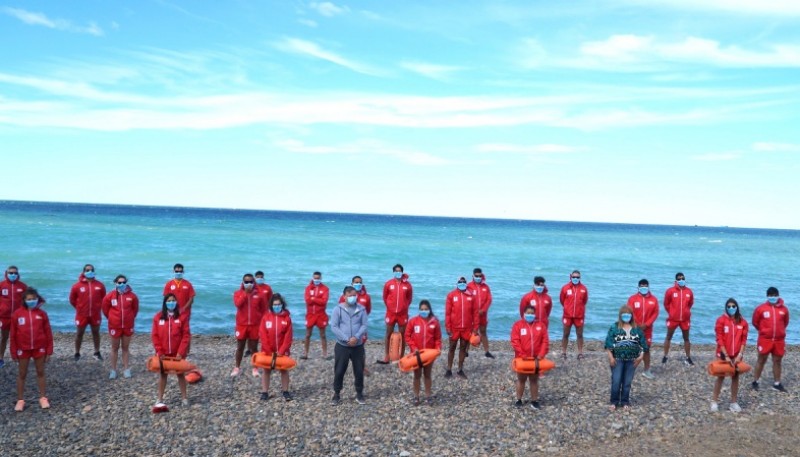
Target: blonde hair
<point>625,309</point>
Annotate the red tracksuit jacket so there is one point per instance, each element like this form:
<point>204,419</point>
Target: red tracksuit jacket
<point>170,336</point>
<point>423,334</point>
<point>529,340</point>
<point>275,333</point>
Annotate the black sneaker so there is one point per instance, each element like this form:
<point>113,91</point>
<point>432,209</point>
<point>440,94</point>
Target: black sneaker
<point>779,387</point>
<point>466,354</point>
<point>489,355</point>
<point>382,362</point>
<point>303,357</point>
<point>98,356</point>
<point>689,362</point>
<point>360,399</point>
<point>77,356</point>
<point>416,401</point>
<point>247,353</point>
<point>336,399</point>
<point>448,374</point>
<point>265,396</point>
<point>664,360</point>
<point>518,404</point>
<point>535,405</point>
<point>461,374</point>
<point>754,385</point>
<point>287,396</point>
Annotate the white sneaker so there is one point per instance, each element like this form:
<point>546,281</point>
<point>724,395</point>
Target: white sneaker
<point>735,408</point>
<point>235,372</point>
<point>648,374</point>
<point>185,402</point>
<point>715,406</point>
<point>112,374</point>
<point>127,373</point>
<point>255,372</point>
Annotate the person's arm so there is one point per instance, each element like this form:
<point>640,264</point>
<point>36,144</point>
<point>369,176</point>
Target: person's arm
<point>135,306</point>
<point>362,328</point>
<point>286,343</point>
<point>516,344</point>
<point>186,338</point>
<point>13,339</point>
<point>487,300</point>
<point>154,337</point>
<point>719,331</point>
<point>240,298</point>
<point>368,304</point>
<point>653,313</point>
<point>437,335</point>
<point>409,294</point>
<point>475,319</point>
<point>522,304</point>
<point>544,344</point>
<point>386,293</point>
<point>448,319</point>
<point>73,295</point>
<point>562,297</point>
<point>48,332</point>
<point>190,301</point>
<point>409,336</point>
<point>106,306</point>
<point>335,323</point>
<point>744,339</point>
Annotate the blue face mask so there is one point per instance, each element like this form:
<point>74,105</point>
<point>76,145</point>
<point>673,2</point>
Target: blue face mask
<point>462,286</point>
<point>731,311</point>
<point>772,300</point>
<point>424,313</point>
<point>12,277</point>
<point>121,287</point>
<point>539,289</point>
<point>171,305</point>
<point>260,281</point>
<point>277,308</point>
<point>178,275</point>
<point>88,274</point>
<point>575,280</point>
<point>351,300</point>
<point>644,290</point>
<point>317,281</point>
<point>681,282</point>
<point>529,318</point>
<point>478,280</point>
<point>358,287</point>
<point>626,317</point>
<point>31,303</point>
<point>398,274</point>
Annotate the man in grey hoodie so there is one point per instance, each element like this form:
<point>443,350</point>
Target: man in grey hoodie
<point>349,323</point>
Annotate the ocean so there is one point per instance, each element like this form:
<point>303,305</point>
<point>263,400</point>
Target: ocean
<point>50,243</point>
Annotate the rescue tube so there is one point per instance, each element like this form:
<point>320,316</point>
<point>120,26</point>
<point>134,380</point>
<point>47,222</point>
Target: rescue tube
<point>413,361</point>
<point>723,368</point>
<point>267,361</point>
<point>475,340</point>
<point>395,345</point>
<point>169,365</point>
<point>194,376</point>
<point>529,365</point>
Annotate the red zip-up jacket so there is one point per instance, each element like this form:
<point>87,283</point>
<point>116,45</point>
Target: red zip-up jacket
<point>86,296</point>
<point>678,303</point>
<point>397,295</point>
<point>275,332</point>
<point>482,293</point>
<point>265,290</point>
<point>183,291</point>
<point>574,298</point>
<point>423,333</point>
<point>11,296</point>
<point>30,330</point>
<point>249,308</point>
<point>170,336</point>
<point>542,304</point>
<point>530,340</point>
<point>362,299</point>
<point>771,320</point>
<point>730,335</point>
<point>121,309</point>
<point>645,309</point>
<point>461,311</point>
<point>316,298</point>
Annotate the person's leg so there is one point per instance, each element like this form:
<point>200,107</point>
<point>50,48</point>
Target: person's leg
<point>579,335</point>
<point>239,352</point>
<point>718,388</point>
<point>357,358</point>
<point>79,331</point>
<point>386,338</point>
<point>96,338</point>
<point>427,373</point>
<point>687,345</point>
<point>324,340</point>
<point>162,386</point>
<point>285,380</point>
<point>762,360</point>
<point>252,345</point>
<point>4,332</point>
<point>565,339</point>
<point>339,366</point>
<point>627,379</point>
<point>667,342</point>
<point>533,380</point>
<point>776,368</point>
<point>451,352</point>
<point>462,353</point>
<point>182,387</point>
<point>403,339</point>
<point>265,380</point>
<point>21,375</point>
<point>521,378</point>
<point>114,352</point>
<point>484,338</point>
<point>616,382</point>
<point>40,377</point>
<point>734,388</point>
<point>417,376</point>
<point>126,343</point>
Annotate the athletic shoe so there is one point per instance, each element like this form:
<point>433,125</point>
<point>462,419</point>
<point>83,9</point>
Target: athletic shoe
<point>265,396</point>
<point>563,356</point>
<point>44,403</point>
<point>247,353</point>
<point>255,372</point>
<point>754,385</point>
<point>97,356</point>
<point>581,356</point>
<point>488,355</point>
<point>535,405</point>
<point>327,357</point>
<point>336,399</point>
<point>416,401</point>
<point>19,406</point>
<point>779,387</point>
<point>2,363</point>
<point>664,360</point>
<point>127,373</point>
<point>448,374</point>
<point>461,374</point>
<point>303,357</point>
<point>235,372</point>
<point>466,354</point>
<point>185,402</point>
<point>688,362</point>
<point>77,356</point>
<point>112,374</point>
<point>735,408</point>
<point>160,408</point>
<point>648,374</point>
<point>715,406</point>
<point>518,404</point>
<point>287,395</point>
<point>429,400</point>
<point>383,362</point>
<point>360,399</point>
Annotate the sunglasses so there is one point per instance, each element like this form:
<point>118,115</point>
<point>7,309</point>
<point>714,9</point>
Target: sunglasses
<point>249,282</point>
<point>122,283</point>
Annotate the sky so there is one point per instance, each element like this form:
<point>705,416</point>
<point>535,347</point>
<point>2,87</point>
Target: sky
<point>677,112</point>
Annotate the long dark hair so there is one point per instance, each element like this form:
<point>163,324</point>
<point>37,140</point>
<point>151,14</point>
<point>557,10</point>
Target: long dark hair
<point>280,298</point>
<point>738,316</point>
<point>165,311</point>
<point>426,302</point>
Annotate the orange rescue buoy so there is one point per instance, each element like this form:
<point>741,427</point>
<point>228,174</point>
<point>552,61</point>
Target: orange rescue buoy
<point>529,365</point>
<point>268,362</point>
<point>413,361</point>
<point>723,368</point>
<point>194,376</point>
<point>475,340</point>
<point>395,345</point>
<point>169,365</point>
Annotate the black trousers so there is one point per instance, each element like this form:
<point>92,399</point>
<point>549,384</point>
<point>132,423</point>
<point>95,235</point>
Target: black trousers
<point>343,355</point>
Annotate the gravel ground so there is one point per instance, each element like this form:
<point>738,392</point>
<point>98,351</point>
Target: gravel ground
<point>475,417</point>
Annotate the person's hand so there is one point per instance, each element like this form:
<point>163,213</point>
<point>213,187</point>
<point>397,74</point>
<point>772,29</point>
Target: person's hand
<point>449,332</point>
<point>481,312</point>
<point>416,352</point>
<point>47,359</point>
<point>178,357</point>
<point>352,341</point>
<point>638,361</point>
<point>612,362</point>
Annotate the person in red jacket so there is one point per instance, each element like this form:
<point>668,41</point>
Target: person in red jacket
<point>183,290</point>
<point>249,311</point>
<point>86,296</point>
<point>460,321</point>
<point>11,290</point>
<point>31,338</point>
<point>731,333</point>
<point>770,319</point>
<point>483,296</point>
<point>573,298</point>
<point>120,306</point>
<point>397,296</point>
<point>539,299</point>
<point>171,335</point>
<point>529,339</point>
<point>275,332</point>
<point>316,296</point>
<point>645,312</point>
<point>264,289</point>
<point>678,302</point>
<point>423,332</point>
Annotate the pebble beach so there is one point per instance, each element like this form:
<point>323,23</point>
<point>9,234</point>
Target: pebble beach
<point>91,415</point>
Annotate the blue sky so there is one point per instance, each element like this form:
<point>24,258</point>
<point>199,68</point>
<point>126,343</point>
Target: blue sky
<point>657,111</point>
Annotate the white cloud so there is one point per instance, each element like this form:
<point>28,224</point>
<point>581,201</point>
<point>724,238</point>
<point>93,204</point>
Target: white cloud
<point>328,9</point>
<point>311,49</point>
<point>40,19</point>
<point>430,70</point>
<point>365,147</point>
<point>533,149</point>
<point>747,7</point>
<point>775,147</point>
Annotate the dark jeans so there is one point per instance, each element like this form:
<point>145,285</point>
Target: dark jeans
<point>621,378</point>
<point>344,355</point>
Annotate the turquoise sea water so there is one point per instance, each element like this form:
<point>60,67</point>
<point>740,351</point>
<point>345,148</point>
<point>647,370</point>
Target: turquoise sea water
<point>50,243</point>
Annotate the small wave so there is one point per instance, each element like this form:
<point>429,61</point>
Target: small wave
<point>715,241</point>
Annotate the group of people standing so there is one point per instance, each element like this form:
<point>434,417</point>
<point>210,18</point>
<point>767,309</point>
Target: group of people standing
<point>262,317</point>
